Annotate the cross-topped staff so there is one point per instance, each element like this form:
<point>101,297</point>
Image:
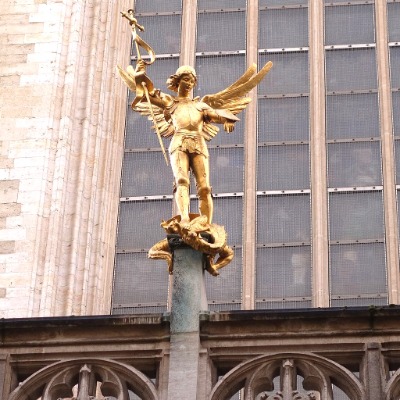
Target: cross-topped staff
<point>143,83</point>
<point>132,20</point>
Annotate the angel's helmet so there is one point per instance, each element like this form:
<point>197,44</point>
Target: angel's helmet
<point>173,80</point>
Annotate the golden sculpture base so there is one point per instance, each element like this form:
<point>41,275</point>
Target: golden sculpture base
<point>190,234</point>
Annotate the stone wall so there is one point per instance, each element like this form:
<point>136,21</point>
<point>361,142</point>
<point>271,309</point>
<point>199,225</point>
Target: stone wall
<point>62,116</point>
<point>338,353</point>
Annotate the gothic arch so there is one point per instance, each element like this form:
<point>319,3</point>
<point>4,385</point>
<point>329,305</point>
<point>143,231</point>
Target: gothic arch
<point>319,373</point>
<point>57,380</point>
<point>392,389</point>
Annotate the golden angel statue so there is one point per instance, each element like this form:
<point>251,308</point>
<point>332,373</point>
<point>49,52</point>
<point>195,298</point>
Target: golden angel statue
<point>189,122</point>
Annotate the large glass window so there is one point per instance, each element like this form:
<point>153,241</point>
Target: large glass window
<point>354,157</point>
<point>283,266</point>
<point>283,232</point>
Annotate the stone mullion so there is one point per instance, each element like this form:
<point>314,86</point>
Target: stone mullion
<point>318,154</point>
<point>372,371</point>
<point>5,375</point>
<point>188,36</point>
<point>388,163</point>
<point>250,168</point>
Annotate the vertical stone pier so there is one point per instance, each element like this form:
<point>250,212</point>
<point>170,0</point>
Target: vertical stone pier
<point>188,300</point>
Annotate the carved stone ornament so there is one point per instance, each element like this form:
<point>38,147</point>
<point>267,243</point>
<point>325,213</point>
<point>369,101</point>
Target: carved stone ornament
<point>195,234</point>
<point>85,379</point>
<point>257,376</point>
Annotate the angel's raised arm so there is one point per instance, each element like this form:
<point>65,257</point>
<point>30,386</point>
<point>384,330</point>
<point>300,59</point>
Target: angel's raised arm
<point>136,78</point>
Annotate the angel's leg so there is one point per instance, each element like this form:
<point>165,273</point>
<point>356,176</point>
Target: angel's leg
<point>201,170</point>
<point>180,168</point>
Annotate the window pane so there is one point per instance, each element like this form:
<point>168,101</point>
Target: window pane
<point>394,22</point>
<point>266,304</point>
<point>347,2</point>
<point>220,4</point>
<point>358,269</point>
<point>283,272</point>
<point>283,219</point>
<point>281,28</point>
<point>353,69</point>
<point>162,33</point>
<point>354,164</point>
<point>226,166</point>
<point>396,113</point>
<point>398,214</point>
<point>353,301</point>
<point>288,75</point>
<point>228,213</point>
<point>283,167</point>
<point>395,66</point>
<point>142,6</point>
<point>139,223</point>
<point>145,174</point>
<point>266,3</point>
<point>349,24</point>
<point>352,116</point>
<point>228,285</point>
<point>161,70</point>
<point>138,131</point>
<point>281,120</point>
<point>131,272</point>
<point>221,31</point>
<point>356,216</point>
<point>217,73</point>
<point>397,152</point>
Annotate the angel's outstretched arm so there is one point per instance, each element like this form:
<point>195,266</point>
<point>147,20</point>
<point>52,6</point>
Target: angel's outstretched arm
<point>222,117</point>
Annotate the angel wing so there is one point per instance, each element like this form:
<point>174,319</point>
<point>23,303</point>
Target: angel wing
<point>165,128</point>
<point>232,99</point>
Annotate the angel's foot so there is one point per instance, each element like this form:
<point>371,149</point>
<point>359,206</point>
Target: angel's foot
<point>185,222</point>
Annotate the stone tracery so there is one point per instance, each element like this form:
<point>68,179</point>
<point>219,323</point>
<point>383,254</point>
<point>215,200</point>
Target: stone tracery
<point>91,376</point>
<point>257,375</point>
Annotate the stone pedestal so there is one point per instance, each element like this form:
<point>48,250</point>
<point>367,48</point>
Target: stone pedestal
<point>188,300</point>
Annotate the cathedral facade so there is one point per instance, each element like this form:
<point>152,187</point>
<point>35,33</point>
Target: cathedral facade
<point>306,187</point>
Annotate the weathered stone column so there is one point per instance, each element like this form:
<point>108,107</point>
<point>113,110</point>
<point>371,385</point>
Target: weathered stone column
<point>188,300</point>
<point>372,371</point>
<point>5,376</point>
